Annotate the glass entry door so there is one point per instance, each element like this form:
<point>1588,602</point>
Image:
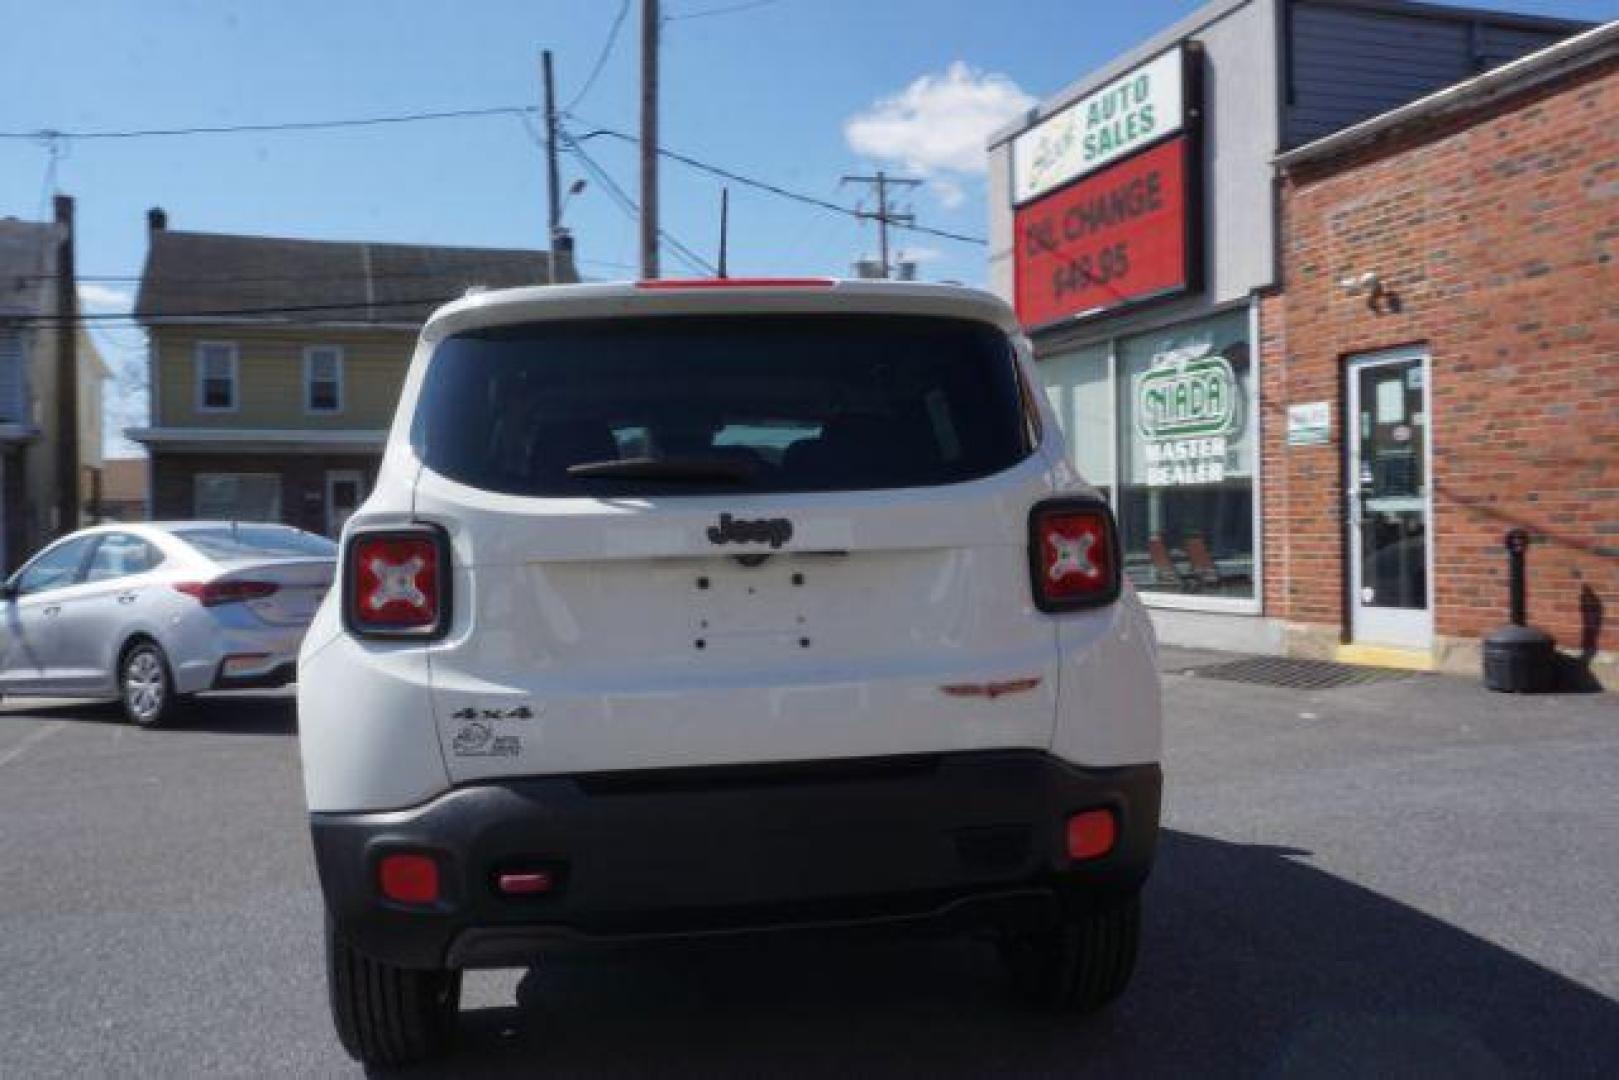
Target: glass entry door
<point>1389,500</point>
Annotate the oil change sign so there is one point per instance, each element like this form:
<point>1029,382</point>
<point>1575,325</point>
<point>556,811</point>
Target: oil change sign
<point>1115,237</point>
<point>1187,406</point>
<point>1138,108</point>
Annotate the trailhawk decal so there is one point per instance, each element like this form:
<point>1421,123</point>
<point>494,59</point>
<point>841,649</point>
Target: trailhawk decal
<point>478,739</point>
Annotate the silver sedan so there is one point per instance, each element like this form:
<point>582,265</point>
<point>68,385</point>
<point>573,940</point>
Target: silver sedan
<point>153,613</point>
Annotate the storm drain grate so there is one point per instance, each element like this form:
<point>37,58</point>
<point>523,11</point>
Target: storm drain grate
<point>1295,673</point>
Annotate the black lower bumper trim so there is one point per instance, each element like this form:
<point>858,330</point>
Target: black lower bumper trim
<point>495,946</point>
<point>948,841</point>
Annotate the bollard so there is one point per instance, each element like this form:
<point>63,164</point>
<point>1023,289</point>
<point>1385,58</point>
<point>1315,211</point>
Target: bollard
<point>1517,658</point>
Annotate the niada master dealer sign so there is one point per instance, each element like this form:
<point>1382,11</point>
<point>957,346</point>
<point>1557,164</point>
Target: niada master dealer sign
<point>1188,406</point>
<point>1138,108</point>
<point>1106,197</point>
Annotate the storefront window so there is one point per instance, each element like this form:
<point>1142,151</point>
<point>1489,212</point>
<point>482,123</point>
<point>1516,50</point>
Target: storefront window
<point>1081,395</point>
<point>1186,458</point>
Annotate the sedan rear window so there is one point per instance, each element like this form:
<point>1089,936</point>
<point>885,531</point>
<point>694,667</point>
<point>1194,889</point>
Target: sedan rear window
<point>697,403</point>
<point>227,542</point>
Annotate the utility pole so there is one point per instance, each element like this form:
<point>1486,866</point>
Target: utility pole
<point>553,192</point>
<point>725,224</point>
<point>649,139</point>
<point>67,373</point>
<point>883,216</point>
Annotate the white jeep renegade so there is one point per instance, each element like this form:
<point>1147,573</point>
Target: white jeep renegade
<point>706,606</point>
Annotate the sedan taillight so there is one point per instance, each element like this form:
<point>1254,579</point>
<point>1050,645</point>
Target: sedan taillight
<point>1073,554</point>
<point>396,582</point>
<point>214,593</point>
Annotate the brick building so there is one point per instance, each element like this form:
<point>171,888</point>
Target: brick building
<point>1136,224</point>
<point>1449,308</point>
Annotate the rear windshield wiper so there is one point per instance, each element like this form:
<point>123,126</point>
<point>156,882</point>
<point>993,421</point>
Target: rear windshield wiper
<point>697,470</point>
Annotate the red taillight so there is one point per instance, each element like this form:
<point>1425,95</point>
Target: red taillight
<point>214,593</point>
<point>1092,834</point>
<point>408,879</point>
<point>396,582</point>
<point>1073,555</point>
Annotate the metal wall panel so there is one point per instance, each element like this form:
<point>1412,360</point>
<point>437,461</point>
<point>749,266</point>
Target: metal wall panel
<point>1350,62</point>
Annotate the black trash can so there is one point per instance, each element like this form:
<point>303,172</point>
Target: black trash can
<point>1520,660</point>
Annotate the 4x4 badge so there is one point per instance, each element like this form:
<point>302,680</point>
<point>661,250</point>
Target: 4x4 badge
<point>730,530</point>
<point>519,712</point>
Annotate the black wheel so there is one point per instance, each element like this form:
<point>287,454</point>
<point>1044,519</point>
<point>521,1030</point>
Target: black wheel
<point>146,685</point>
<point>1080,964</point>
<point>389,1016</point>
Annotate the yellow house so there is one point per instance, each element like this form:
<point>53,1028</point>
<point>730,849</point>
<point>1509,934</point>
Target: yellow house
<point>276,363</point>
<point>50,389</point>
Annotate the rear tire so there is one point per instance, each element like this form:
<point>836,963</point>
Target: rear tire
<point>389,1016</point>
<point>146,685</point>
<point>1079,965</point>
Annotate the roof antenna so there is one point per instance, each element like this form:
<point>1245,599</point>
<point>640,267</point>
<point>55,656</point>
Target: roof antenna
<point>725,215</point>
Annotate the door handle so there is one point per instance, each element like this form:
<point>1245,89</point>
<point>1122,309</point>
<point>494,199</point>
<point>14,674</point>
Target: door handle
<point>54,609</point>
<point>126,598</point>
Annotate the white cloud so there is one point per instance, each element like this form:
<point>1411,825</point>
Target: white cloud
<point>937,126</point>
<point>949,192</point>
<point>94,295</point>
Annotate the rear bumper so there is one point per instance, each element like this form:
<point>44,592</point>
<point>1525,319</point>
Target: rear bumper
<point>278,671</point>
<point>200,648</point>
<point>945,840</point>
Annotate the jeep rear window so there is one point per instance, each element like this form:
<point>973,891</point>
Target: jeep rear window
<point>784,402</point>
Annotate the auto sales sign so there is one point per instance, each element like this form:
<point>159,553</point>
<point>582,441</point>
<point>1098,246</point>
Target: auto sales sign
<point>1138,108</point>
<point>1111,198</point>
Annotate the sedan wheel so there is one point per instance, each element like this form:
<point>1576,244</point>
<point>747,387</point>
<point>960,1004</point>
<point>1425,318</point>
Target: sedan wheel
<point>145,687</point>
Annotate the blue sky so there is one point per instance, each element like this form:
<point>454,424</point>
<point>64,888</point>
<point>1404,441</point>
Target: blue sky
<point>796,92</point>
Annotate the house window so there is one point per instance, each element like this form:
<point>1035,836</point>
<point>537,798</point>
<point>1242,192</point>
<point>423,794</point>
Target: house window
<point>323,379</point>
<point>13,390</point>
<point>238,496</point>
<point>216,377</point>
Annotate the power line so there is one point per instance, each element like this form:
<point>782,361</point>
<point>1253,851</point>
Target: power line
<point>249,279</point>
<point>291,125</point>
<point>601,60</point>
<point>725,9</point>
<point>766,186</point>
<point>98,317</point>
<point>631,209</point>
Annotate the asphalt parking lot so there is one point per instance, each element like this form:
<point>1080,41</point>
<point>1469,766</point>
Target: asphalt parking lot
<point>1413,877</point>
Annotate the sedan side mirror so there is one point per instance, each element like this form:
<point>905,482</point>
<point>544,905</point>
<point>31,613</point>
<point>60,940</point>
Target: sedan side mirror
<point>8,591</point>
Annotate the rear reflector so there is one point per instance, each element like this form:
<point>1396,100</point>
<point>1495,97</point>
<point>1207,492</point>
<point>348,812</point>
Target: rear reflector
<point>1092,834</point>
<point>526,883</point>
<point>738,283</point>
<point>240,663</point>
<point>214,593</point>
<point>1073,554</point>
<point>396,582</point>
<point>409,879</point>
